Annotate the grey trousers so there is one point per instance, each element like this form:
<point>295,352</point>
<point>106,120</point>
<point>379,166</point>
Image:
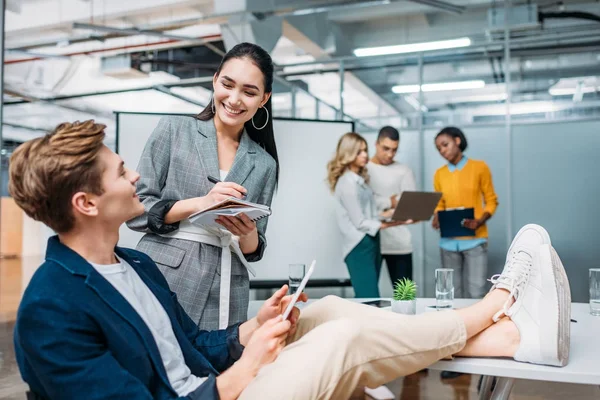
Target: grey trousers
<point>470,271</point>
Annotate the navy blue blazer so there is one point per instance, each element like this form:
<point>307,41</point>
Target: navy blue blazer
<point>77,337</point>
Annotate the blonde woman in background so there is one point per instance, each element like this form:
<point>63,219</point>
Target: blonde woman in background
<point>356,214</point>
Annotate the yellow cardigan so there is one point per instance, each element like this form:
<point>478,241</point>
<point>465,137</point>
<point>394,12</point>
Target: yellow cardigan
<point>468,187</point>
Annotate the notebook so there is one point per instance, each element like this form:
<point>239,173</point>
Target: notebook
<point>451,222</point>
<point>418,206</point>
<point>229,207</point>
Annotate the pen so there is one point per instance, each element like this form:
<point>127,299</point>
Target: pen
<point>214,180</point>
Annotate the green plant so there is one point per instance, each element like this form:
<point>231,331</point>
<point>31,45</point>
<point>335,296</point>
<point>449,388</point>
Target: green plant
<point>405,289</point>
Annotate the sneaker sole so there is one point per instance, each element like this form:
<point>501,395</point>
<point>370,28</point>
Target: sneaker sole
<point>555,347</point>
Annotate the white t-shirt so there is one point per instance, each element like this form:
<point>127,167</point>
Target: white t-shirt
<point>124,278</point>
<point>387,180</point>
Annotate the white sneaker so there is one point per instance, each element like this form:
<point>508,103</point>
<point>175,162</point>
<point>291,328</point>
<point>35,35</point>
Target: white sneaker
<point>535,277</point>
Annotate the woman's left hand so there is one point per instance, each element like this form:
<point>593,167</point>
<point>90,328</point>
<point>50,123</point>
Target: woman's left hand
<point>277,304</point>
<point>239,225</point>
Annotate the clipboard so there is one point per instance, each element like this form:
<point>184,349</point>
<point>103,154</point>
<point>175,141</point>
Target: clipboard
<point>451,222</point>
<point>418,206</point>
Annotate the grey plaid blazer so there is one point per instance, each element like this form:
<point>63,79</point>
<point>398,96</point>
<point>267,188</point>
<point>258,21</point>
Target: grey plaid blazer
<point>176,160</point>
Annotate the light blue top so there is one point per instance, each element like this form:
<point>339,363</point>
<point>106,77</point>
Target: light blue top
<point>451,244</point>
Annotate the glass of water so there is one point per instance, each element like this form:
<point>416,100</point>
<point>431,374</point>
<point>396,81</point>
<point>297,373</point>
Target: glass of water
<point>296,274</point>
<point>595,291</point>
<point>444,288</point>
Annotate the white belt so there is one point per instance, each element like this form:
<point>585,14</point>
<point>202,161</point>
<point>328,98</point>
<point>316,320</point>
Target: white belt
<point>229,243</point>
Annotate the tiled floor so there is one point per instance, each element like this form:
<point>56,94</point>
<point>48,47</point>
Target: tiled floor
<point>427,385</point>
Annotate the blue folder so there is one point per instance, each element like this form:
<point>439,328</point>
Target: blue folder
<point>451,222</point>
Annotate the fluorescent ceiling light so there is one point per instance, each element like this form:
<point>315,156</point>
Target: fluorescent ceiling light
<point>575,86</point>
<point>569,91</point>
<point>413,47</point>
<point>439,87</point>
<point>400,89</point>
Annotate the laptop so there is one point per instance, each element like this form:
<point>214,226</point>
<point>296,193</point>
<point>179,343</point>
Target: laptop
<point>418,206</point>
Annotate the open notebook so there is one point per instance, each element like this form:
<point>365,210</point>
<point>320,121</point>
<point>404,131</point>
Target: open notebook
<point>230,207</point>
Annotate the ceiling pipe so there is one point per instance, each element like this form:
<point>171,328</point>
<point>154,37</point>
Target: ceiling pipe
<point>146,32</point>
<point>71,40</point>
<point>32,99</point>
<point>568,14</point>
<point>441,5</point>
<point>211,38</point>
<point>161,87</point>
<point>30,128</point>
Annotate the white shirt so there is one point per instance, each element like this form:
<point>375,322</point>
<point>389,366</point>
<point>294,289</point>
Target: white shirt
<point>355,211</point>
<point>124,278</point>
<point>223,174</point>
<point>387,180</point>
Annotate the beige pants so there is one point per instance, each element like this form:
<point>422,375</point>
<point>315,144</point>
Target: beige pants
<point>340,345</point>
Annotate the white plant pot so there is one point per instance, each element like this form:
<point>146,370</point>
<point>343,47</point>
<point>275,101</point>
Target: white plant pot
<point>408,307</point>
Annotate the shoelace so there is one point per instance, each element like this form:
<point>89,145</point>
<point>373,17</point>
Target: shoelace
<point>515,276</point>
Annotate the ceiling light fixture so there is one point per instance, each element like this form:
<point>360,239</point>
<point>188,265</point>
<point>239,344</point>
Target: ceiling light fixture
<point>569,91</point>
<point>413,47</point>
<point>439,87</point>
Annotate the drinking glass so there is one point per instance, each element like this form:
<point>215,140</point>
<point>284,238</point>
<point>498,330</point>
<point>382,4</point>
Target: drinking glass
<point>296,274</point>
<point>444,288</point>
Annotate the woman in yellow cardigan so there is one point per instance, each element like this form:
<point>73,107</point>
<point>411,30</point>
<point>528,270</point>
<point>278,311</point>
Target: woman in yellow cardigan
<point>464,183</point>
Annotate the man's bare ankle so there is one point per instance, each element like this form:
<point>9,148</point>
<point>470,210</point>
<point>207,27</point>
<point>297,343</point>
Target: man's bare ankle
<point>511,335</point>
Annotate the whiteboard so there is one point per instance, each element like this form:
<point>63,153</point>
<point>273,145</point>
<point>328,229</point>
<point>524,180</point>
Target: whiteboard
<point>303,225</point>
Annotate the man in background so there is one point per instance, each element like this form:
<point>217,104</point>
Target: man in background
<point>389,179</point>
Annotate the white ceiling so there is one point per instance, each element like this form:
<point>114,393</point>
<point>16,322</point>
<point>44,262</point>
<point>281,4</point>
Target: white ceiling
<point>43,28</point>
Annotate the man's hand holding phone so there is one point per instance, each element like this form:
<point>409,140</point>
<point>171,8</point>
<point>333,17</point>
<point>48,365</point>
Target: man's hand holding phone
<point>277,304</point>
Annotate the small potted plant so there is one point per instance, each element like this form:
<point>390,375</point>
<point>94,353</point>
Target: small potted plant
<point>405,293</point>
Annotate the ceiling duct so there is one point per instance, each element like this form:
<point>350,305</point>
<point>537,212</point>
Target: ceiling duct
<point>260,22</point>
<point>248,28</point>
<point>182,62</point>
<point>121,67</point>
<point>520,17</point>
<point>326,34</point>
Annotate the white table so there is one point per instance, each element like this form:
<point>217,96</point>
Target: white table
<point>583,367</point>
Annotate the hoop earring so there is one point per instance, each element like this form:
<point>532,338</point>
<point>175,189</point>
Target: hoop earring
<point>266,122</point>
<point>212,105</point>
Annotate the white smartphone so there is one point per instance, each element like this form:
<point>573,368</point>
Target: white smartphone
<point>290,306</point>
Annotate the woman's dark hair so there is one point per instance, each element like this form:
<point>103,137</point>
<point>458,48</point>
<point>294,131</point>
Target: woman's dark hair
<point>264,137</point>
<point>454,133</point>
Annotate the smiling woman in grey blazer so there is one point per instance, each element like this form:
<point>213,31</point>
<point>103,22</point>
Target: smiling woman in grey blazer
<point>231,139</point>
